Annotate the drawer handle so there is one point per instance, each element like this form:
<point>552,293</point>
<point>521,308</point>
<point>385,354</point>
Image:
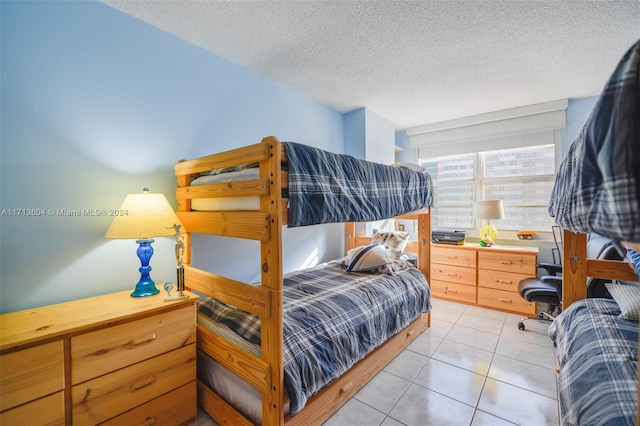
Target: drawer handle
<point>149,421</point>
<point>135,343</point>
<point>448,290</point>
<point>452,257</point>
<point>411,333</point>
<point>142,383</point>
<point>502,299</point>
<point>506,262</point>
<point>504,281</point>
<point>451,274</point>
<point>346,387</point>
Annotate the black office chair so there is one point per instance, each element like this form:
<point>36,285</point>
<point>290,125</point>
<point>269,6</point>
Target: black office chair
<point>547,288</point>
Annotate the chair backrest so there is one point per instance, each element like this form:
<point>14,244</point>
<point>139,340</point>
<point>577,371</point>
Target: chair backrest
<point>600,247</point>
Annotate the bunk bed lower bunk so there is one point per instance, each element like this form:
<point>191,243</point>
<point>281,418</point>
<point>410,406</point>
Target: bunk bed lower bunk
<point>277,361</point>
<point>597,190</point>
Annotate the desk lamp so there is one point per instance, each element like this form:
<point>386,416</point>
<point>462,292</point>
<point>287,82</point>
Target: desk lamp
<point>144,216</point>
<point>489,209</point>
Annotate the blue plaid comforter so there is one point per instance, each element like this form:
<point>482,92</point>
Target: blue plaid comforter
<point>597,186</point>
<point>332,320</point>
<point>326,187</point>
<point>597,352</point>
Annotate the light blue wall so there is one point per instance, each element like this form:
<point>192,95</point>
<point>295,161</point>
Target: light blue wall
<point>369,136</point>
<point>380,138</point>
<point>408,154</point>
<point>97,104</point>
<point>355,133</point>
<point>578,111</point>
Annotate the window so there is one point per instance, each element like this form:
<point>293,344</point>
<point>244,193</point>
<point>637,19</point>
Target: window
<point>522,178</point>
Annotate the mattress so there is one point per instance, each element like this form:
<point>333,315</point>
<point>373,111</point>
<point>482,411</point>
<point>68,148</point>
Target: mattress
<point>331,188</point>
<point>597,353</point>
<point>226,203</point>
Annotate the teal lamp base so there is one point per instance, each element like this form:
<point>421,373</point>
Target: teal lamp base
<point>145,287</point>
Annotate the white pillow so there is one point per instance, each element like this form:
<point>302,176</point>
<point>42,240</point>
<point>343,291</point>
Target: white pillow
<point>395,242</point>
<point>367,258</point>
<point>627,296</point>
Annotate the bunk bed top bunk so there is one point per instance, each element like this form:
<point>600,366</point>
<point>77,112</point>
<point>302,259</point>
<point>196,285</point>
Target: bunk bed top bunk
<point>296,185</point>
<point>597,190</point>
<point>597,186</point>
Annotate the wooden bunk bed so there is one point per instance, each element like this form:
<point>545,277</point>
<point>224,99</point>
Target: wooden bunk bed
<point>597,190</point>
<point>265,225</point>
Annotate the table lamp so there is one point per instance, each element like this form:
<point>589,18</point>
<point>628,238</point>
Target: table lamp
<point>489,209</point>
<point>144,216</point>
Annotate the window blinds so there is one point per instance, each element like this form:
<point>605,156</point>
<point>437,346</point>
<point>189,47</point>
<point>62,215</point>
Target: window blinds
<point>517,127</point>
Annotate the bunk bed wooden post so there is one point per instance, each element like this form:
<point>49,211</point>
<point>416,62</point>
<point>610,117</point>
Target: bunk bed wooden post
<point>349,236</point>
<point>424,244</point>
<point>184,205</point>
<point>272,278</point>
<point>574,268</point>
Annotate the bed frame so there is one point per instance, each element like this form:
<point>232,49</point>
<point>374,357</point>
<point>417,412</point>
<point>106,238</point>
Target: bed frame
<point>576,267</point>
<point>265,225</point>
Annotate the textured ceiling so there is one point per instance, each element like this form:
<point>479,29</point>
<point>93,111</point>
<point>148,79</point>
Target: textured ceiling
<point>413,62</point>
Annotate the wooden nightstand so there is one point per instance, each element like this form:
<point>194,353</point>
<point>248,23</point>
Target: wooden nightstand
<point>112,358</point>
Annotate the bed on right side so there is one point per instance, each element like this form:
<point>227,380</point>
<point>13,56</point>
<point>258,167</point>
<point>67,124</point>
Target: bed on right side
<point>597,190</point>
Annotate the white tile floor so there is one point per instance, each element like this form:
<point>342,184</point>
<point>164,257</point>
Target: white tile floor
<point>472,367</point>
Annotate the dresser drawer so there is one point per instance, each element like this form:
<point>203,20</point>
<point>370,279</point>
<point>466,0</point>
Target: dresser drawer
<point>453,256</point>
<point>105,397</point>
<point>509,262</point>
<point>453,291</point>
<point>505,300</point>
<point>500,280</point>
<point>177,407</point>
<point>111,348</point>
<point>31,373</point>
<point>455,274</point>
<point>44,411</point>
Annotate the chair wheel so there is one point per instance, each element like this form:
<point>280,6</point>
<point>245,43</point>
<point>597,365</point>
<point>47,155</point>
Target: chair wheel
<point>521,325</point>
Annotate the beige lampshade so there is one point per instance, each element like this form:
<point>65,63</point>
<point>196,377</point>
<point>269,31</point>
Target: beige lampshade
<point>489,209</point>
<point>144,215</point>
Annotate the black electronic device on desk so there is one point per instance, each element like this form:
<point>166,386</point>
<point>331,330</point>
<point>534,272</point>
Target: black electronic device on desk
<point>448,236</point>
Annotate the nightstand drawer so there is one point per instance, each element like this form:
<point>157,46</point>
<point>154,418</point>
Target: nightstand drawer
<point>174,408</point>
<point>455,274</point>
<point>111,348</point>
<point>447,290</point>
<point>507,281</point>
<point>509,262</point>
<point>105,397</point>
<point>505,300</point>
<point>44,411</point>
<point>31,373</point>
<point>453,256</point>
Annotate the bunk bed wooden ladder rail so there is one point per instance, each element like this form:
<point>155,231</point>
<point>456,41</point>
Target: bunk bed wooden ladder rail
<point>576,267</point>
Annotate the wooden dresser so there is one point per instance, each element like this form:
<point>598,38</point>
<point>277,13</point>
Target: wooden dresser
<point>483,276</point>
<point>111,359</point>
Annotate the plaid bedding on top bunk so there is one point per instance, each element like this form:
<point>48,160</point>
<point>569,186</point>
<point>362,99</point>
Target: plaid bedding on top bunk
<point>332,320</point>
<point>597,352</point>
<point>597,186</point>
<point>326,188</point>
